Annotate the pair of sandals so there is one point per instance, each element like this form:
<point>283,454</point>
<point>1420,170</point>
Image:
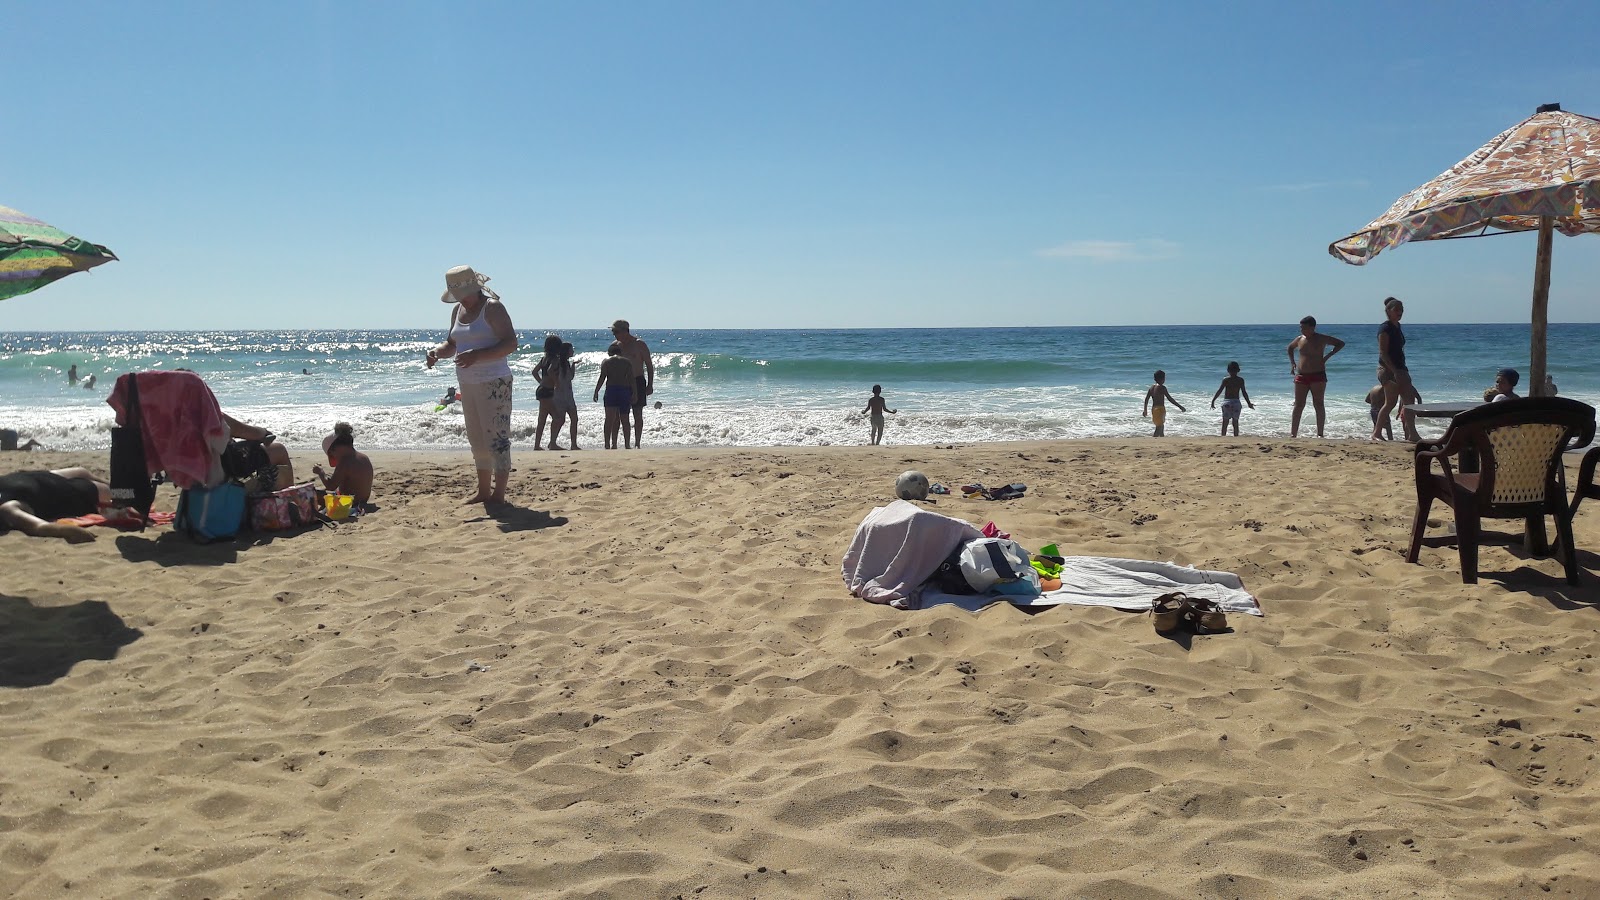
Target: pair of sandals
<point>1173,611</point>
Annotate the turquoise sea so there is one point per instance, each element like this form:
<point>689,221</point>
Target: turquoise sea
<point>776,388</point>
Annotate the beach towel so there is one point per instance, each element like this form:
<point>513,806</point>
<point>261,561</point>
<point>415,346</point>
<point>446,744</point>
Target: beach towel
<point>1121,584</point>
<point>896,548</point>
<point>184,433</point>
<point>130,520</point>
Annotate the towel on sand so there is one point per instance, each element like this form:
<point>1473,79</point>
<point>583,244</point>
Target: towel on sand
<point>1122,584</point>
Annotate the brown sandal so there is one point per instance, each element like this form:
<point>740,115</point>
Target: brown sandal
<point>1167,611</point>
<point>1205,617</point>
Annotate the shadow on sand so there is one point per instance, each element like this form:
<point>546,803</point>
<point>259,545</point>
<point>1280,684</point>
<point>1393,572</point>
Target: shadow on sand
<point>39,644</point>
<point>517,518</point>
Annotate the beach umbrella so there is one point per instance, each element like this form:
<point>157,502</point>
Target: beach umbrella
<point>1542,174</point>
<point>33,254</point>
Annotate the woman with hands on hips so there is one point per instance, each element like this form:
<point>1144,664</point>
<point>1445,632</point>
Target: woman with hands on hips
<point>481,337</point>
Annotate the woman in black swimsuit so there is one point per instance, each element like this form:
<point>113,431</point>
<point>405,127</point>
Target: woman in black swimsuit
<point>31,502</point>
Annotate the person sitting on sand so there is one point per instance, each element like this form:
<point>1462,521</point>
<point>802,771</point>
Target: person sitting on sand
<point>352,470</point>
<point>876,407</point>
<point>1375,401</point>
<point>31,502</point>
<point>1231,389</point>
<point>616,376</point>
<point>1155,400</point>
<point>8,441</point>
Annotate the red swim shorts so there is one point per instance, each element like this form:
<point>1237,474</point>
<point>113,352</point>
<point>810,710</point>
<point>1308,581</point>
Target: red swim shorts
<point>1311,378</point>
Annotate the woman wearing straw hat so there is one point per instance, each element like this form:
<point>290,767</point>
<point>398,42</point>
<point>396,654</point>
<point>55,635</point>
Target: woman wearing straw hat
<point>481,337</point>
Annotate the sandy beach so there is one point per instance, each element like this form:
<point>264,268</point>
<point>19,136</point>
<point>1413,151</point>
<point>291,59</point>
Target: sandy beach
<point>648,680</point>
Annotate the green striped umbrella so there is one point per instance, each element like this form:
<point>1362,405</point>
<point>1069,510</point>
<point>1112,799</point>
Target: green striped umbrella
<point>33,254</point>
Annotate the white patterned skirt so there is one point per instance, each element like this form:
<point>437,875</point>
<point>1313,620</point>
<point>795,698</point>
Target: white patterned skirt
<point>487,408</point>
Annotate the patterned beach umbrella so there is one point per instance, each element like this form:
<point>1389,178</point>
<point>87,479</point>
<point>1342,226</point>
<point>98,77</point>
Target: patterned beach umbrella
<point>1542,175</point>
<point>33,254</point>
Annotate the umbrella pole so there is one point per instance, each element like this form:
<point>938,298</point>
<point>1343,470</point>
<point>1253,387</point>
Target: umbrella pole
<point>1541,308</point>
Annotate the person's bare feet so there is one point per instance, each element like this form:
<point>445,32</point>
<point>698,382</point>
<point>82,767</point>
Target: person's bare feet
<point>475,498</point>
<point>72,534</point>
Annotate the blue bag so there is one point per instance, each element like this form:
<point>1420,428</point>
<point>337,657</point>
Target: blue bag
<point>210,514</point>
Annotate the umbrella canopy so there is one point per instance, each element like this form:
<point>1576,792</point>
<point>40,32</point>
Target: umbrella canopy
<point>33,254</point>
<point>1542,174</point>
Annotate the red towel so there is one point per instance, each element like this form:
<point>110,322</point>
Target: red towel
<point>184,433</point>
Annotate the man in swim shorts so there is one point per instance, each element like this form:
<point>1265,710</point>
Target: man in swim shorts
<point>31,502</point>
<point>644,373</point>
<point>616,376</point>
<point>1311,372</point>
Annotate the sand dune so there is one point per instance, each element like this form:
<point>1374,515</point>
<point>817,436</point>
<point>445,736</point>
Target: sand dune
<point>675,696</point>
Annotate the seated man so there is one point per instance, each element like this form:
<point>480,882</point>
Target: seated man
<point>31,502</point>
<point>276,452</point>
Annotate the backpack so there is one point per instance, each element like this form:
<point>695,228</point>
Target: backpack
<point>987,562</point>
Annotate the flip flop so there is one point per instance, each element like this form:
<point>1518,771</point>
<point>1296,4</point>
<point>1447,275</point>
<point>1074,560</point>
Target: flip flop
<point>1167,611</point>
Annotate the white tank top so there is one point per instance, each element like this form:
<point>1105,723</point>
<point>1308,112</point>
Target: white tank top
<point>476,335</point>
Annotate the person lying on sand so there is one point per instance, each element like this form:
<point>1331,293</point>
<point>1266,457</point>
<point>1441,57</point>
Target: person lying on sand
<point>31,502</point>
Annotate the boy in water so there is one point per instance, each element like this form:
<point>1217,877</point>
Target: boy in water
<point>1230,390</point>
<point>876,407</point>
<point>616,376</point>
<point>1375,400</point>
<point>1155,401</point>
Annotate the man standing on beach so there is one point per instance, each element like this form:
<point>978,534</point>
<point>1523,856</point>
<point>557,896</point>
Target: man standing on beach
<point>644,374</point>
<point>1311,373</point>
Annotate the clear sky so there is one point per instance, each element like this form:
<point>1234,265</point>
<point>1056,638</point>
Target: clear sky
<point>759,164</point>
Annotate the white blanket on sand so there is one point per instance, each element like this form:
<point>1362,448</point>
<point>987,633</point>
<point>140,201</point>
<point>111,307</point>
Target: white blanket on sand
<point>1119,583</point>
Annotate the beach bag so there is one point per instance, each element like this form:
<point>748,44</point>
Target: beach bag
<point>131,484</point>
<point>210,514</point>
<point>292,507</point>
<point>242,459</point>
<point>987,562</point>
<point>948,578</point>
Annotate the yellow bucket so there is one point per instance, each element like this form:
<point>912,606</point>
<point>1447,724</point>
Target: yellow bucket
<point>338,506</point>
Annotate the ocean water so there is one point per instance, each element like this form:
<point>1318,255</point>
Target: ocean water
<point>776,388</point>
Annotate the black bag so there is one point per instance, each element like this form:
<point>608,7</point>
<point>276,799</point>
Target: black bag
<point>131,484</point>
<point>242,459</point>
<point>948,578</point>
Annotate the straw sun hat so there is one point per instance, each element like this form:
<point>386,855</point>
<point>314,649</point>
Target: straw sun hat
<point>462,282</point>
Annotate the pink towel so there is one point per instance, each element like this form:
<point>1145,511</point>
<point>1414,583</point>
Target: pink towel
<point>184,433</point>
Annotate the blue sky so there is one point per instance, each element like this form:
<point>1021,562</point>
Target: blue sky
<point>818,164</point>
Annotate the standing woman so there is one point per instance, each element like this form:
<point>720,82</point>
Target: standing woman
<point>1392,371</point>
<point>481,337</point>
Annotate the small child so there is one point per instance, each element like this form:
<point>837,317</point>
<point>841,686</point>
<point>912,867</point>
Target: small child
<point>1375,400</point>
<point>876,407</point>
<point>1155,403</point>
<point>1231,389</point>
<point>616,376</point>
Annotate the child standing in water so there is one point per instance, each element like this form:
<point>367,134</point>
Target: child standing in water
<point>1155,403</point>
<point>1375,400</point>
<point>876,406</point>
<point>1231,389</point>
